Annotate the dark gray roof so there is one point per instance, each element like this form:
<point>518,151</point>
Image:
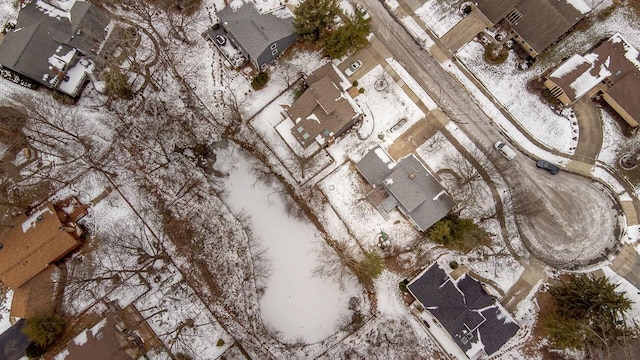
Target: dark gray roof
<point>13,342</point>
<point>419,195</point>
<point>375,165</point>
<point>253,30</point>
<point>542,22</point>
<point>464,309</point>
<point>39,36</point>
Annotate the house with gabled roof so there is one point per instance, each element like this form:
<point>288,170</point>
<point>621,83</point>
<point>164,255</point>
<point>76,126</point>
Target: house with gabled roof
<point>406,185</point>
<point>29,247</point>
<point>325,110</point>
<point>611,69</point>
<point>106,340</point>
<point>261,38</point>
<point>472,318</point>
<point>535,25</point>
<point>54,46</point>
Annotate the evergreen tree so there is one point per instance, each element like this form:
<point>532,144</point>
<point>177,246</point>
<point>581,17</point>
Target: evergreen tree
<point>44,331</point>
<point>589,314</point>
<point>314,18</point>
<point>350,37</point>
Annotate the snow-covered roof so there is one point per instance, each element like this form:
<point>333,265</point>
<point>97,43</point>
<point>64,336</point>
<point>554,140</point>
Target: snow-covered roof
<point>542,21</point>
<point>47,39</point>
<point>324,109</point>
<point>255,31</point>
<point>415,191</point>
<point>615,60</point>
<point>472,317</point>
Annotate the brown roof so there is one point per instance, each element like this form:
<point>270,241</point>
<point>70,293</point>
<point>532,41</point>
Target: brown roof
<point>323,111</point>
<point>101,342</point>
<point>31,244</point>
<point>542,22</point>
<point>496,10</point>
<point>327,70</point>
<point>616,60</point>
<point>36,297</point>
<point>625,93</point>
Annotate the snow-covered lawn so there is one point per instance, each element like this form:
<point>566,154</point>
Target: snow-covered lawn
<point>383,109</point>
<point>440,15</point>
<point>508,85</point>
<point>493,262</point>
<point>347,191</point>
<point>295,303</point>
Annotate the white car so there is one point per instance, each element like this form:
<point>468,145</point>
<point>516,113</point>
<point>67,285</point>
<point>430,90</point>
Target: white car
<point>353,68</point>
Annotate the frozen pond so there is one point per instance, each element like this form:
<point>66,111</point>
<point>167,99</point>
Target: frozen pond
<point>295,303</point>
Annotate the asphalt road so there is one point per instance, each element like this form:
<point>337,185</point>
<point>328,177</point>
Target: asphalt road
<point>578,219</point>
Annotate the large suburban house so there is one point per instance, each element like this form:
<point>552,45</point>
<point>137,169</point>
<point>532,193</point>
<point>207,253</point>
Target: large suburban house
<point>53,46</point>
<point>325,110</point>
<point>406,185</point>
<point>260,37</point>
<point>29,247</point>
<point>534,24</point>
<point>471,318</point>
<point>611,69</point>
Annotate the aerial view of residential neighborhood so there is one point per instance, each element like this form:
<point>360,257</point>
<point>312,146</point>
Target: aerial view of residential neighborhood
<point>319,179</point>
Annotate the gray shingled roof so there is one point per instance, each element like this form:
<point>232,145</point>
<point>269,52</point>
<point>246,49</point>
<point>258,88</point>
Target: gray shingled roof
<point>13,342</point>
<point>464,309</point>
<point>39,36</point>
<point>254,31</point>
<point>418,194</point>
<point>375,166</point>
<point>542,22</point>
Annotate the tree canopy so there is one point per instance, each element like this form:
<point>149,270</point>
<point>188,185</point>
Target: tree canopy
<point>589,314</point>
<point>350,37</point>
<point>457,233</point>
<point>44,331</point>
<point>314,18</point>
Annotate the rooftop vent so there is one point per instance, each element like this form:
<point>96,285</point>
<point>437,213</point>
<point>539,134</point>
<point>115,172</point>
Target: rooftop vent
<point>412,176</point>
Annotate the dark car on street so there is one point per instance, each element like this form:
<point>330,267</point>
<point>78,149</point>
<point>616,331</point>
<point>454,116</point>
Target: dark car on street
<point>545,165</point>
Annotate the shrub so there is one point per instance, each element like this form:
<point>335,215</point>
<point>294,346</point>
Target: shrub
<point>456,233</point>
<point>453,265</point>
<point>116,83</point>
<point>220,343</point>
<point>355,83</point>
<point>260,80</point>
<point>33,351</point>
<point>403,286</point>
<point>44,331</point>
<point>361,90</point>
<point>495,54</point>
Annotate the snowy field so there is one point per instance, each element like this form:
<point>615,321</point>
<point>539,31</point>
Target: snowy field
<point>508,86</point>
<point>346,191</point>
<point>383,109</point>
<point>295,303</point>
<point>440,15</point>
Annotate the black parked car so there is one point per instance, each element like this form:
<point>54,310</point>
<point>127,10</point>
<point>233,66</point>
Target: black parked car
<point>552,169</point>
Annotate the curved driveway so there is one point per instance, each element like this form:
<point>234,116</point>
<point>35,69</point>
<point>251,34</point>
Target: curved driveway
<point>576,223</point>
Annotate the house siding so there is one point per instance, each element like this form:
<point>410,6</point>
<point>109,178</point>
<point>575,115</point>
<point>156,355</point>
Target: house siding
<point>622,112</point>
<point>267,56</point>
